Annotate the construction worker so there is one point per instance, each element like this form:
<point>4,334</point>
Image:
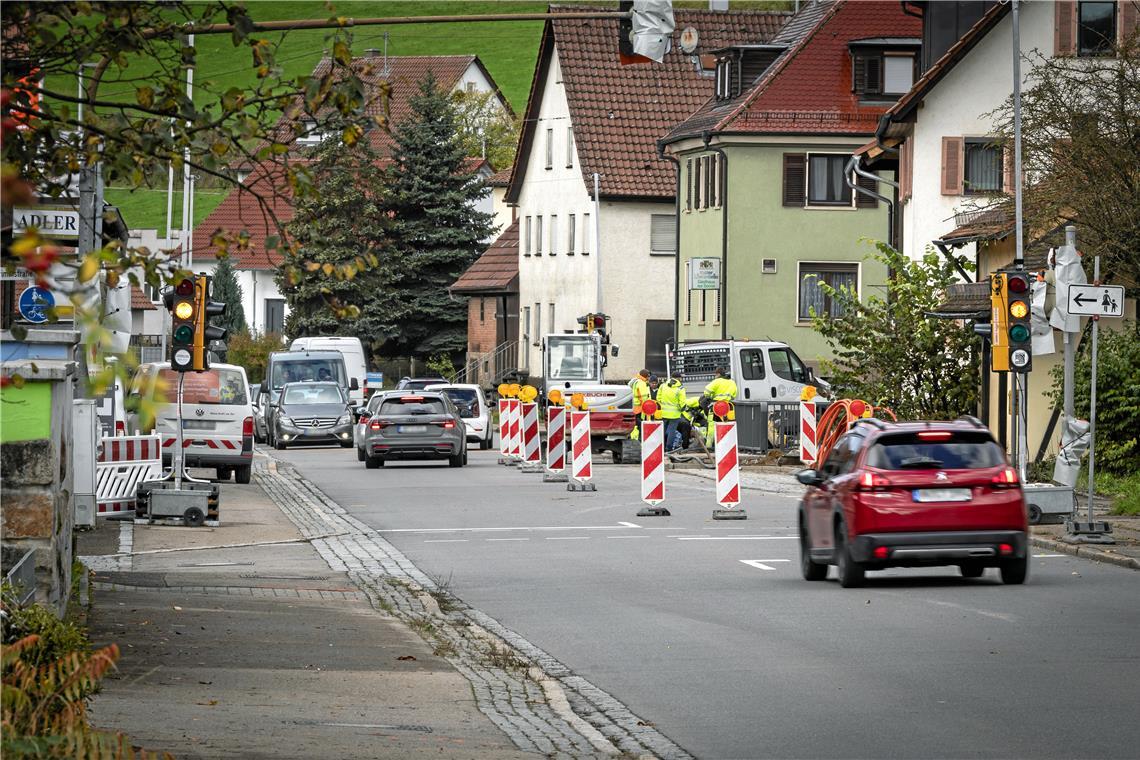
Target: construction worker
<point>671,399</point>
<point>720,388</point>
<point>639,384</point>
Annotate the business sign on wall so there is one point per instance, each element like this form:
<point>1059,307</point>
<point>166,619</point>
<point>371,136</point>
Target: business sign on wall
<point>51,222</point>
<point>704,274</point>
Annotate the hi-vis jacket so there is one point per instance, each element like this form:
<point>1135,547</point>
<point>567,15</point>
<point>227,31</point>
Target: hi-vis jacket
<point>721,389</point>
<point>640,392</point>
<point>671,397</point>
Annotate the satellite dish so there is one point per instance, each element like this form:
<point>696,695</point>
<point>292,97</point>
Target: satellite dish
<point>689,39</point>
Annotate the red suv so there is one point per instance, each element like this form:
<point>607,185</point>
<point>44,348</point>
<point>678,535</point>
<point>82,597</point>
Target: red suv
<point>913,494</point>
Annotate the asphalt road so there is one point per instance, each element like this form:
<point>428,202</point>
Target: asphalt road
<point>707,630</point>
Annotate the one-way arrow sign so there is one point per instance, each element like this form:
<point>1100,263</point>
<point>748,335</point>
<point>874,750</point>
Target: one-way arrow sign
<point>1096,300</point>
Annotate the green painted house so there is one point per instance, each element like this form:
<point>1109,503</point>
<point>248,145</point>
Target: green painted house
<point>766,212</point>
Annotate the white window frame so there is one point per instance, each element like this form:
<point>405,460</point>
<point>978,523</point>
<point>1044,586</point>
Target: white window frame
<point>569,147</point>
<point>537,324</point>
<point>800,265</point>
<point>526,237</point>
<point>672,250</point>
<point>526,323</point>
<point>553,235</point>
<point>807,185</point>
<point>538,235</point>
<point>571,231</point>
<point>550,148</point>
<point>550,310</point>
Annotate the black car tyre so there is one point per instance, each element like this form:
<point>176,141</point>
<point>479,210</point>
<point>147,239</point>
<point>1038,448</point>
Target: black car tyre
<point>1014,571</point>
<point>456,460</point>
<point>373,463</point>
<point>812,571</point>
<point>242,474</point>
<point>851,573</point>
<point>278,444</point>
<point>224,473</point>
<point>972,570</point>
<point>360,455</point>
<point>485,443</point>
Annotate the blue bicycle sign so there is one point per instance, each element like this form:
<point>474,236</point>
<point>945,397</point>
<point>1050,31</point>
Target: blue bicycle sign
<point>35,303</point>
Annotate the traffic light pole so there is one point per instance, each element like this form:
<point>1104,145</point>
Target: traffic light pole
<point>177,460</point>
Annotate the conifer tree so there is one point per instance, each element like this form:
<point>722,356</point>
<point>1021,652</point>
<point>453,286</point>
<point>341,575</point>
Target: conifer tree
<point>227,290</point>
<point>437,229</point>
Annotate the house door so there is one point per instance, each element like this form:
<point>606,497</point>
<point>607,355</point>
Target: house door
<point>275,315</point>
<point>658,332</point>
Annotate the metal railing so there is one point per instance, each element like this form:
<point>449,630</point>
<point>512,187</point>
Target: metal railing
<point>22,578</point>
<point>489,368</point>
<point>764,425</point>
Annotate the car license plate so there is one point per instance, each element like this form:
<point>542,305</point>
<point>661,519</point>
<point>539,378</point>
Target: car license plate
<point>942,494</point>
<point>197,425</point>
<point>411,428</point>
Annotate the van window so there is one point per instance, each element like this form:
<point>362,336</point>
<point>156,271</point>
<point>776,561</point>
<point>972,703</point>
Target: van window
<point>216,386</point>
<point>752,364</point>
<point>298,370</point>
<point>787,365</point>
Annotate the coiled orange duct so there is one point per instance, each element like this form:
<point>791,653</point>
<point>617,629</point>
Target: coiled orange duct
<point>837,420</point>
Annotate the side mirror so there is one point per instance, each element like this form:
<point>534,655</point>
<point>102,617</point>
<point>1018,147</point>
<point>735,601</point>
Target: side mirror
<point>809,478</point>
<point>353,384</point>
<point>361,414</point>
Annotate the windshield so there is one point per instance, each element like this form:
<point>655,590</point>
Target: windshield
<point>957,452</point>
<point>315,394</point>
<point>298,370</point>
<point>465,399</point>
<point>787,365</point>
<point>216,386</point>
<point>571,357</point>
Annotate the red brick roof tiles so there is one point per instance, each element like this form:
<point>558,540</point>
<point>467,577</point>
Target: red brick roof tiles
<point>497,270</point>
<point>140,301</point>
<point>244,211</point>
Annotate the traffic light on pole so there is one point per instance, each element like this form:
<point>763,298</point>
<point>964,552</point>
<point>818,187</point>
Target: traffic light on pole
<point>1020,348</point>
<point>999,318</point>
<point>204,332</point>
<point>181,301</point>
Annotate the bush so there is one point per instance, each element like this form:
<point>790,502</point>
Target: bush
<point>55,638</point>
<point>1117,401</point>
<point>252,350</point>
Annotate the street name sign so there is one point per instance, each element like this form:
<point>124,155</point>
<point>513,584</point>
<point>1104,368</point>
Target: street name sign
<point>1096,300</point>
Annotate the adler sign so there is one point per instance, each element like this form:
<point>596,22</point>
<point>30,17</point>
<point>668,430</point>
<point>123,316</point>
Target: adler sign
<point>51,222</point>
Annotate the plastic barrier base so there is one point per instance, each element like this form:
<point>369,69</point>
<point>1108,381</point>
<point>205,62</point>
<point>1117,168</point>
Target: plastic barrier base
<point>581,487</point>
<point>654,512</point>
<point>729,514</point>
<point>555,477</point>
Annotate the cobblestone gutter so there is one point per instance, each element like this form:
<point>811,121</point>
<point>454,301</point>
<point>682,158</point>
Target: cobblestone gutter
<point>531,696</point>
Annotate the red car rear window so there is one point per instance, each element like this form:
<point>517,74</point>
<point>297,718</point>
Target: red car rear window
<point>960,451</point>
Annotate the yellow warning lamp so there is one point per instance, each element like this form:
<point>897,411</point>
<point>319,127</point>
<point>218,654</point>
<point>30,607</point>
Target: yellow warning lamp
<point>555,396</point>
<point>808,393</point>
<point>528,393</point>
<point>578,401</point>
<point>503,389</point>
<point>513,390</point>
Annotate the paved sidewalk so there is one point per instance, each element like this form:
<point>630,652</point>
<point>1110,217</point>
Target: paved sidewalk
<point>261,651</point>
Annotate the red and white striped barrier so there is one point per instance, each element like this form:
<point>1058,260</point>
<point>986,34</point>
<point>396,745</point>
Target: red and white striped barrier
<point>504,426</point>
<point>123,463</point>
<point>532,445</point>
<point>213,443</point>
<point>652,462</point>
<point>581,465</point>
<point>727,465</point>
<point>809,448</point>
<point>556,438</point>
<point>514,412</point>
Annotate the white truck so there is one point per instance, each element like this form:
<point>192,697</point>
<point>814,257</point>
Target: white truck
<point>763,370</point>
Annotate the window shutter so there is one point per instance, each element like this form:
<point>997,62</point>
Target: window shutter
<point>1065,28</point>
<point>689,184</point>
<point>874,74</point>
<point>866,201</point>
<point>697,183</point>
<point>952,165</point>
<point>662,233</point>
<point>795,179</point>
<point>858,74</point>
<point>1129,18</point>
<point>906,169</point>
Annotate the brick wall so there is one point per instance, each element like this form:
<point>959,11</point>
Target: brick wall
<point>481,333</point>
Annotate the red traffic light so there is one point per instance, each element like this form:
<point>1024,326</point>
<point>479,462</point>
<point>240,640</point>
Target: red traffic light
<point>1018,283</point>
<point>649,407</point>
<point>720,408</point>
<point>184,287</point>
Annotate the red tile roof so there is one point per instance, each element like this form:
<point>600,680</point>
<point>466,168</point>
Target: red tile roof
<point>618,112</point>
<point>501,178</point>
<point>807,90</point>
<point>497,270</point>
<point>140,301</point>
<point>244,211</point>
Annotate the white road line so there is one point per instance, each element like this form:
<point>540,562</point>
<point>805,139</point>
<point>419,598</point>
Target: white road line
<point>445,540</point>
<point>501,530</point>
<point>629,524</point>
<point>507,539</point>
<point>628,536</point>
<point>1050,555</point>
<point>567,538</point>
<point>732,538</point>
<point>762,564</point>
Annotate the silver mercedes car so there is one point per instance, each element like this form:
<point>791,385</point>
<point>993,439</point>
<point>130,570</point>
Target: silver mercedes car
<point>312,412</point>
<point>415,425</point>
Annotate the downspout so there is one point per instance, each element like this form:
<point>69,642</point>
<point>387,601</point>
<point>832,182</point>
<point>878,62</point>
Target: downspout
<point>662,155</point>
<point>853,166</point>
<point>722,178</point>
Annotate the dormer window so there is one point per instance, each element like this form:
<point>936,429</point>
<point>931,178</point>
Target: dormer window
<point>883,69</point>
<point>310,135</point>
<point>727,78</point>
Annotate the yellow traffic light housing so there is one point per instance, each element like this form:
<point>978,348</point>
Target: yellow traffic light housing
<point>999,319</point>
<point>182,303</point>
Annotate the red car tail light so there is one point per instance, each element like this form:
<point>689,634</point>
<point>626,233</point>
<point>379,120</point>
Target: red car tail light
<point>446,424</point>
<point>379,424</point>
<point>1005,549</point>
<point>873,481</point>
<point>1007,478</point>
<point>881,552</point>
<point>935,435</point>
<point>247,427</point>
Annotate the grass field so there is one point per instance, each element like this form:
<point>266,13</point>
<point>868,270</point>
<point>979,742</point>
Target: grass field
<point>145,208</point>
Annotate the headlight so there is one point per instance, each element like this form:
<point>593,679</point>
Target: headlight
<point>344,419</point>
<point>284,420</point>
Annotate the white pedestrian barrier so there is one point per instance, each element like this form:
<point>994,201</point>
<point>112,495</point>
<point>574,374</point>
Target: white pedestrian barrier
<point>808,445</point>
<point>581,467</point>
<point>556,439</point>
<point>532,444</point>
<point>652,462</point>
<point>727,465</point>
<point>124,462</point>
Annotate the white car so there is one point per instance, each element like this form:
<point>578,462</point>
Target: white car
<point>474,410</point>
<point>363,416</point>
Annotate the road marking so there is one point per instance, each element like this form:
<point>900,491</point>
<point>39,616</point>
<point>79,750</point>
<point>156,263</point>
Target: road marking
<point>761,564</point>
<point>508,539</point>
<point>629,524</point>
<point>502,530</point>
<point>732,538</point>
<point>445,540</point>
<point>628,536</point>
<point>567,538</point>
<point>1050,555</point>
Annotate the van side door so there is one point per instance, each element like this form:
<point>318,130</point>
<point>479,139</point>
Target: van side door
<point>752,380</point>
<point>789,374</point>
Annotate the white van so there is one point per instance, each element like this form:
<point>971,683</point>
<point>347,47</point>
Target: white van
<point>217,416</point>
<point>353,352</point>
<point>764,370</point>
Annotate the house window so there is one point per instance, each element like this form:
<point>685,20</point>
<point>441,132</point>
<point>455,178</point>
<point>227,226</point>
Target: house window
<point>526,323</point>
<point>538,236</point>
<point>482,309</point>
<point>707,196</point>
<point>898,74</point>
<point>826,183</point>
<point>550,149</point>
<point>550,310</point>
<point>310,135</point>
<point>553,234</point>
<point>812,297</point>
<point>569,147</point>
<point>875,73</point>
<point>571,229</point>
<point>982,171</point>
<point>586,234</point>
<point>663,234</point>
<point>689,185</point>
<point>526,243</point>
<point>726,85</point>
<point>697,182</point>
<point>537,323</point>
<point>1096,28</point>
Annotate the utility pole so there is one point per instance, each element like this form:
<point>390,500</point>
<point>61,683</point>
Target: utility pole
<point>598,241</point>
<point>1020,379</point>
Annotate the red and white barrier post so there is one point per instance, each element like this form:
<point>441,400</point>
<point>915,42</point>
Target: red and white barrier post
<point>581,465</point>
<point>504,430</point>
<point>532,444</point>
<point>653,467</point>
<point>557,425</point>
<point>515,414</point>
<point>727,473</point>
<point>809,446</point>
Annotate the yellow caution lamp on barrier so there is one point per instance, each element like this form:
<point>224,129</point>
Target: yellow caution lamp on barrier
<point>808,393</point>
<point>528,393</point>
<point>513,390</point>
<point>578,401</point>
<point>555,396</point>
<point>502,389</point>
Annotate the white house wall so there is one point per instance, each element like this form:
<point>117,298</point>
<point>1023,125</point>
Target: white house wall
<point>957,107</point>
<point>636,286</point>
<point>257,285</point>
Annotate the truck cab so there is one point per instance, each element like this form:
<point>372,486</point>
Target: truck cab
<point>763,370</point>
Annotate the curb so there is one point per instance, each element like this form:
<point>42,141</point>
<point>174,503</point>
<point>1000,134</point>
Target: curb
<point>1086,551</point>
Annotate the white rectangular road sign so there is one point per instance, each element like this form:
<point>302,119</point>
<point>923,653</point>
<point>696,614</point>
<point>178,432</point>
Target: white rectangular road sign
<point>1096,300</point>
